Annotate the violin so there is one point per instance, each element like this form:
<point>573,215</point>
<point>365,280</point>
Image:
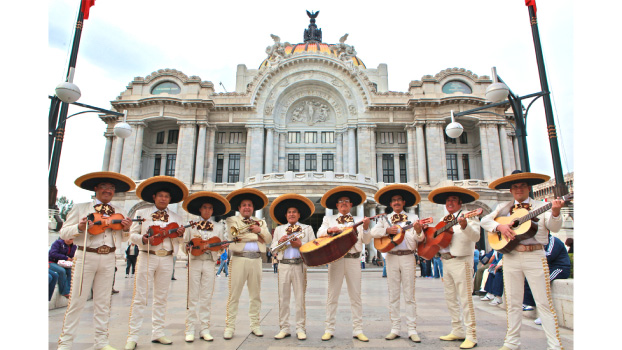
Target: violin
<point>198,246</point>
<point>157,234</point>
<point>101,223</point>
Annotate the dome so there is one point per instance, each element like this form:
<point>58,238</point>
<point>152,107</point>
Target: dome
<point>315,47</point>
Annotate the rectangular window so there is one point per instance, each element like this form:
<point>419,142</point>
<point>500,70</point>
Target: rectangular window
<point>452,166</point>
<point>170,164</point>
<point>403,168</point>
<point>463,138</point>
<point>293,136</point>
<point>401,137</point>
<point>158,162</point>
<point>386,137</point>
<point>234,168</point>
<point>465,166</point>
<point>328,137</point>
<point>220,159</point>
<point>388,166</point>
<point>173,135</point>
<point>449,139</point>
<point>293,162</point>
<point>235,137</point>
<point>160,138</point>
<point>221,137</point>
<point>328,162</point>
<point>310,137</point>
<point>310,162</point>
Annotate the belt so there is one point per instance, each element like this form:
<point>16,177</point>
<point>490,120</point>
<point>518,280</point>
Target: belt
<point>249,255</point>
<point>447,256</point>
<point>352,255</point>
<point>291,261</point>
<point>160,252</point>
<point>401,252</point>
<point>528,248</point>
<point>101,250</point>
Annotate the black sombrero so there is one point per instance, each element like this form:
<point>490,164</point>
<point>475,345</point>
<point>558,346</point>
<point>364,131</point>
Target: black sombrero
<point>256,196</point>
<point>193,203</point>
<point>153,185</point>
<point>439,195</point>
<point>356,195</point>
<point>409,194</point>
<point>278,208</point>
<point>517,176</point>
<point>121,182</point>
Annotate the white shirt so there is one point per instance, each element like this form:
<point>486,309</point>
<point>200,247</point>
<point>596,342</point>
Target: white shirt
<point>291,252</point>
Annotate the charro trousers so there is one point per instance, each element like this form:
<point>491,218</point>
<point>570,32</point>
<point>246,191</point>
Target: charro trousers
<point>200,292</point>
<point>292,276</point>
<point>244,271</point>
<point>350,269</point>
<point>401,270</point>
<point>458,283</point>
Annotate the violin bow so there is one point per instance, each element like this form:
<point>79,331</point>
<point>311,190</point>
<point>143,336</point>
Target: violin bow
<point>86,231</point>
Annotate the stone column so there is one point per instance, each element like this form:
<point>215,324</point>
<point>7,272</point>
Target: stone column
<point>436,151</point>
<point>118,154</point>
<point>282,140</point>
<point>211,157</point>
<point>344,151</point>
<point>483,136</point>
<point>516,152</point>
<point>510,147</point>
<point>328,212</point>
<point>107,151</point>
<point>351,151</point>
<point>396,167</point>
<point>373,156</point>
<point>339,152</point>
<point>360,210</point>
<point>200,158</point>
<point>269,150</point>
<point>505,154</point>
<point>421,159</point>
<point>494,151</point>
<point>247,158</point>
<point>185,151</point>
<point>127,163</point>
<point>259,214</point>
<point>366,149</point>
<point>371,248</point>
<point>275,152</point>
<point>257,152</point>
<point>411,173</point>
<point>138,150</point>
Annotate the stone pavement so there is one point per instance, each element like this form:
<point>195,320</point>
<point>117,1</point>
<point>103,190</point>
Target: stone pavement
<point>432,318</point>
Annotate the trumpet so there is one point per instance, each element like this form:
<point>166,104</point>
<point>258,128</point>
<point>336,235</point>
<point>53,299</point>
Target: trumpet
<point>281,246</point>
<point>235,231</point>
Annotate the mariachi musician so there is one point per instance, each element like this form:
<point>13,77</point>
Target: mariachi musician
<point>458,263</point>
<point>97,272</point>
<point>245,265</point>
<point>290,209</point>
<point>401,264</point>
<point>343,199</point>
<point>202,268</point>
<point>155,262</point>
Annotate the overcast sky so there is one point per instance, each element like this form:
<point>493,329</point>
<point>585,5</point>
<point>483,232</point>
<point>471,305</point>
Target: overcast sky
<point>125,39</point>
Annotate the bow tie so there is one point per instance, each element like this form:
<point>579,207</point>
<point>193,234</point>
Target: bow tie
<point>520,206</point>
<point>160,215</point>
<point>248,221</point>
<point>449,218</point>
<point>395,218</point>
<point>104,209</point>
<point>293,228</point>
<point>205,225</point>
<point>345,218</point>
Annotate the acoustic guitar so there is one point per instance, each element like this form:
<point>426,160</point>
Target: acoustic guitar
<point>386,243</point>
<point>157,234</point>
<point>199,246</point>
<point>522,224</point>
<point>440,236</point>
<point>324,250</point>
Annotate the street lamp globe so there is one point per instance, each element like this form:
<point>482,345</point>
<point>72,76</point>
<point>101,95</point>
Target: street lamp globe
<point>497,92</point>
<point>68,92</point>
<point>454,130</point>
<point>122,130</point>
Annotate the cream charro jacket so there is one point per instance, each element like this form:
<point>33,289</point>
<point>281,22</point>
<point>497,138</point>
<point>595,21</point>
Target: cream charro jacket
<point>111,238</point>
<point>410,237</point>
<point>280,231</point>
<point>192,232</point>
<point>138,230</point>
<point>463,241</point>
<point>247,236</point>
<point>364,237</point>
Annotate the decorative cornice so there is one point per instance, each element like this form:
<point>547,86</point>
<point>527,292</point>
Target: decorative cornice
<point>186,122</point>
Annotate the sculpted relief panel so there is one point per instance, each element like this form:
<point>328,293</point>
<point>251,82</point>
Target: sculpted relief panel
<point>309,111</point>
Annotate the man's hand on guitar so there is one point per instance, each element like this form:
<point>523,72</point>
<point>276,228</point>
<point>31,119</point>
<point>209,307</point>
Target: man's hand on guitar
<point>418,227</point>
<point>146,238</point>
<point>557,206</point>
<point>506,232</point>
<point>366,222</point>
<point>462,221</point>
<point>393,230</point>
<point>333,230</point>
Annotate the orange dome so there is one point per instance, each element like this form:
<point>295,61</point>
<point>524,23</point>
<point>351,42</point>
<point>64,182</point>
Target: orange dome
<point>313,47</point>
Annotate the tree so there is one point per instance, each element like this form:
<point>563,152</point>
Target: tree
<point>64,206</point>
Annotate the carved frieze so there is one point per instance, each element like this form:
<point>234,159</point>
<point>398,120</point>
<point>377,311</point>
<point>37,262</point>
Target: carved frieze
<point>310,112</point>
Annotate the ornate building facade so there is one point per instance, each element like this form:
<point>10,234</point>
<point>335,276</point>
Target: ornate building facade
<point>312,116</point>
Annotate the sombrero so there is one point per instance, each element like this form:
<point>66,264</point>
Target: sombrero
<point>193,203</point>
<point>256,196</point>
<point>356,195</point>
<point>517,176</point>
<point>121,182</point>
<point>409,194</point>
<point>439,195</point>
<point>278,208</point>
<point>153,185</point>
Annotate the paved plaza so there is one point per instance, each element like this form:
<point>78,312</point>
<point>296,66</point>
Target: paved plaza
<point>432,318</point>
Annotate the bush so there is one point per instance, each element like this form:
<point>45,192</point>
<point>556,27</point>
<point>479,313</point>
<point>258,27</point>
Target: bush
<point>571,255</point>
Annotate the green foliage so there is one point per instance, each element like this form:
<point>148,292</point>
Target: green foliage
<point>571,255</point>
<point>64,206</point>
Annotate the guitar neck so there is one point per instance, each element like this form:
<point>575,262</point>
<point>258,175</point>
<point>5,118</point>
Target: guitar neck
<point>535,213</point>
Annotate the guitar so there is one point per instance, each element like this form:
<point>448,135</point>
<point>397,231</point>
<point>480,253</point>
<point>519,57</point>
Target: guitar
<point>324,250</point>
<point>440,236</point>
<point>157,234</point>
<point>522,224</point>
<point>101,223</point>
<point>386,243</point>
<point>199,246</point>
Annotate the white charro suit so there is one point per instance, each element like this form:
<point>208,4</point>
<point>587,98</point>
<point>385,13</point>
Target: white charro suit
<point>98,275</point>
<point>458,278</point>
<point>292,275</point>
<point>245,270</point>
<point>158,269</point>
<point>201,271</point>
<point>350,268</point>
<point>401,271</point>
<point>530,265</point>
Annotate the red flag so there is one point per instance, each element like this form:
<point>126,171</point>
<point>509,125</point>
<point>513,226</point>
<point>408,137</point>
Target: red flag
<point>527,3</point>
<point>86,6</point>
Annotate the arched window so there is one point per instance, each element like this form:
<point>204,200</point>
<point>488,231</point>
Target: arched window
<point>456,86</point>
<point>166,87</point>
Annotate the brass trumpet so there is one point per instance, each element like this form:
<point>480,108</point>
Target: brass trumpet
<point>235,231</point>
<point>281,246</point>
